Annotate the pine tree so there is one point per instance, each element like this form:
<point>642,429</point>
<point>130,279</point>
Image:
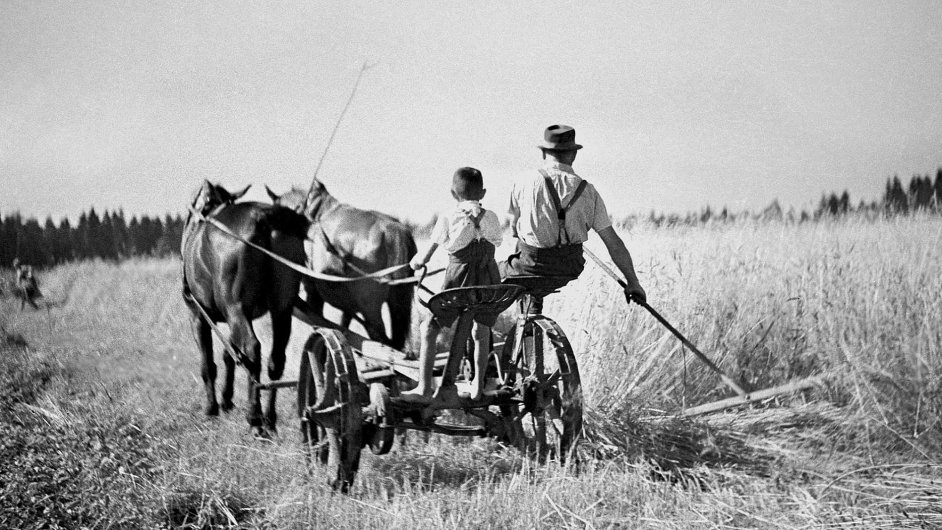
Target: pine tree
<point>66,242</point>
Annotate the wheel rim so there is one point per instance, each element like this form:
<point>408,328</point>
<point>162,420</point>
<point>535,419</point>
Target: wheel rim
<point>330,401</point>
<point>547,423</point>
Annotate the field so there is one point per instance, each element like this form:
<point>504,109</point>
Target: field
<point>102,424</point>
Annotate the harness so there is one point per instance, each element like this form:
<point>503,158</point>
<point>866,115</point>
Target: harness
<point>560,210</point>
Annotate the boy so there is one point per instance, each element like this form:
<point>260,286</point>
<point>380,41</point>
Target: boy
<point>469,234</point>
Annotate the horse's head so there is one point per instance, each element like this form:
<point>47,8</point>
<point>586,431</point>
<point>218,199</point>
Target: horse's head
<point>300,200</point>
<point>212,195</point>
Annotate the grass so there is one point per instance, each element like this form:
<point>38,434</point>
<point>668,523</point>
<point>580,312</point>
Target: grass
<point>102,422</point>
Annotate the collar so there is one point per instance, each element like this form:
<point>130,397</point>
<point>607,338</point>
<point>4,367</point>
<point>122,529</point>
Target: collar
<point>469,206</point>
<point>558,166</point>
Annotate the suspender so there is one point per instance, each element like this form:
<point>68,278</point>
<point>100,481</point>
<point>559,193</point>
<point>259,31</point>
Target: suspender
<point>560,211</point>
<point>475,220</point>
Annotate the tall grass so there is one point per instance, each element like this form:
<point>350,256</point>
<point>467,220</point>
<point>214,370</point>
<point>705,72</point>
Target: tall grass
<point>855,301</point>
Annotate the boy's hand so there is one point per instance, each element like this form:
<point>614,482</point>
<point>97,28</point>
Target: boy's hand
<point>634,293</point>
<point>417,263</point>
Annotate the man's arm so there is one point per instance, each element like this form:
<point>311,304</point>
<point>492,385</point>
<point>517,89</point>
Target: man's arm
<point>513,211</point>
<point>622,258</point>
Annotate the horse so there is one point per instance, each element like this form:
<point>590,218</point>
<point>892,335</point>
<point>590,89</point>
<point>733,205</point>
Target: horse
<point>348,241</point>
<point>231,282</point>
<point>26,287</point>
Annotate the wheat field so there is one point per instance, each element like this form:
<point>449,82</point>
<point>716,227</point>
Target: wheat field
<point>103,426</point>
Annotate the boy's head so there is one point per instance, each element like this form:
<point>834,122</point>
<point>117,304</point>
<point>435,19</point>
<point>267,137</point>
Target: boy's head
<point>467,184</point>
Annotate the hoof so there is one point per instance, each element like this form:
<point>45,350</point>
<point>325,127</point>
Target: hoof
<point>271,424</point>
<point>212,410</point>
<point>264,434</point>
<point>227,406</point>
<point>261,434</point>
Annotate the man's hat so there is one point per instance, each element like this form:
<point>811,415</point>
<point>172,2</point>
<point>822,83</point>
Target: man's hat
<point>560,138</point>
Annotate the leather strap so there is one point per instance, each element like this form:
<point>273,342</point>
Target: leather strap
<point>560,211</point>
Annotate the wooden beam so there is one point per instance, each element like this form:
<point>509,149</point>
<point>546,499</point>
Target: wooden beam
<point>751,397</point>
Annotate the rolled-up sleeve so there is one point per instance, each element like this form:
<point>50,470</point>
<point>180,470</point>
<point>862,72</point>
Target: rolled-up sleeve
<point>600,218</point>
<point>440,232</point>
<point>492,230</point>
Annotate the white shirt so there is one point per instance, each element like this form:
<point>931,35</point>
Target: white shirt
<point>456,230</point>
<point>534,215</point>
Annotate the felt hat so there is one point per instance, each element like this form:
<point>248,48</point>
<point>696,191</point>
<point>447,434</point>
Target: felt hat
<point>559,138</point>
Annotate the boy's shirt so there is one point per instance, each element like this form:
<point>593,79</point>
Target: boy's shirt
<point>456,230</point>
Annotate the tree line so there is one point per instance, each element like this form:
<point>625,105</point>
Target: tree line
<point>922,194</point>
<point>109,236</point>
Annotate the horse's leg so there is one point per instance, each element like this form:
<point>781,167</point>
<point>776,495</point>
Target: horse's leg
<point>400,314</point>
<point>243,336</point>
<point>314,299</point>
<point>373,321</point>
<point>204,341</point>
<point>281,332</point>
<point>228,387</point>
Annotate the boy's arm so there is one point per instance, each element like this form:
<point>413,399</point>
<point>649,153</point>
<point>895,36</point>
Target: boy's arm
<point>420,259</point>
<point>622,258</point>
<point>439,236</point>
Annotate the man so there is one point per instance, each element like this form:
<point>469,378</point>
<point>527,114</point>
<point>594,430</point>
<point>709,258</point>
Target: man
<point>552,212</point>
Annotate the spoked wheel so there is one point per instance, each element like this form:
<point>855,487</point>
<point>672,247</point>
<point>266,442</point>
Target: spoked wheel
<point>541,366</point>
<point>330,398</point>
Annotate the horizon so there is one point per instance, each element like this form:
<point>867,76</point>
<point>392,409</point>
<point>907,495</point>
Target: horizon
<point>808,207</point>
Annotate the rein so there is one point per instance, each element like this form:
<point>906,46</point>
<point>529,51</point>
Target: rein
<point>234,351</point>
<point>378,276</point>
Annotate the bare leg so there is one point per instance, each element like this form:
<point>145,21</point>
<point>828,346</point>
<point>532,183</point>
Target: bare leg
<point>482,336</point>
<point>429,331</point>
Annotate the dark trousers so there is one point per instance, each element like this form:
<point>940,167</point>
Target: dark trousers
<point>561,262</point>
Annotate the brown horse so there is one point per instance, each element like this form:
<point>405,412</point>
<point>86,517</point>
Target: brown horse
<point>234,283</point>
<point>346,242</point>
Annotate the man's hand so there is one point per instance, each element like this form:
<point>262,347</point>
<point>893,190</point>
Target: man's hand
<point>417,262</point>
<point>634,293</point>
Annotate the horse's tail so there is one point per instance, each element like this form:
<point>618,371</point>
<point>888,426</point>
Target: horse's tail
<point>400,247</point>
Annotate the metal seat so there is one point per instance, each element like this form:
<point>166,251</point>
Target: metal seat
<point>483,299</point>
<point>538,286</point>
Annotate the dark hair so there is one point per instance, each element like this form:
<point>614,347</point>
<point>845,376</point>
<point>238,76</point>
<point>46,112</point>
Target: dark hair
<point>467,183</point>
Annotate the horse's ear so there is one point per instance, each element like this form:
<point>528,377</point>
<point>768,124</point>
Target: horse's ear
<point>238,195</point>
<point>207,188</point>
<point>274,197</point>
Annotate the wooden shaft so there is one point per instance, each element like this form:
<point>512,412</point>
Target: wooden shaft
<point>759,395</point>
<point>696,351</point>
<point>725,378</point>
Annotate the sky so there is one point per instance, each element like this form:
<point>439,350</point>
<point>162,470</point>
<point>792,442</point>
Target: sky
<point>679,105</point>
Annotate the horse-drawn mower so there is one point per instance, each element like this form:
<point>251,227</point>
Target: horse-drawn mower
<point>348,386</point>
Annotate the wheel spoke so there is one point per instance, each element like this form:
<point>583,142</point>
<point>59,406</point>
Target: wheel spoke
<point>553,378</point>
<point>556,420</point>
